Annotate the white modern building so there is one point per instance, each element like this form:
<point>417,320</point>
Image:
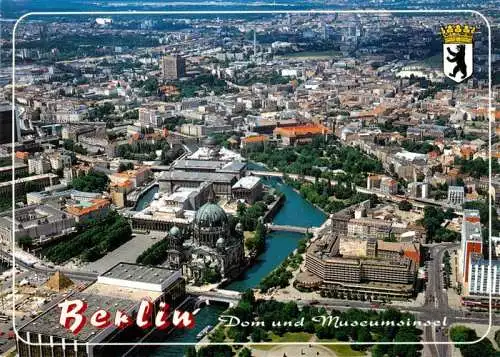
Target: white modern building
<point>484,277</point>
<point>456,195</point>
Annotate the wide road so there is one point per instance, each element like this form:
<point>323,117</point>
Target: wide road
<point>436,299</point>
<point>72,274</point>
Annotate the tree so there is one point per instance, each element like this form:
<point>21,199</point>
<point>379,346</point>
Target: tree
<point>92,182</point>
<point>218,335</point>
<point>301,247</point>
<point>212,275</point>
<point>245,352</point>
<point>154,255</point>
<point>125,166</point>
<point>190,351</point>
<point>241,209</point>
<point>258,334</point>
<point>94,239</point>
<point>25,242</point>
<point>257,243</point>
<point>433,217</point>
<point>215,351</point>
<point>484,347</point>
<point>405,205</point>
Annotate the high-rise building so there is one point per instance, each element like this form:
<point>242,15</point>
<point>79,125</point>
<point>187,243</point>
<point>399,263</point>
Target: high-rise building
<point>6,124</point>
<point>39,165</point>
<point>472,242</point>
<point>173,67</point>
<point>419,189</point>
<point>149,117</point>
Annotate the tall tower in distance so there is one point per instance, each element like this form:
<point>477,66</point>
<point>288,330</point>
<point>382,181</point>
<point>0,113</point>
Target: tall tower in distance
<point>173,67</point>
<point>254,44</point>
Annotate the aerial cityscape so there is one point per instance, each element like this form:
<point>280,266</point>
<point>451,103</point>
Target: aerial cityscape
<point>299,183</point>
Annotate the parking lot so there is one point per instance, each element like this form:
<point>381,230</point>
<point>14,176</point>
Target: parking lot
<point>127,252</point>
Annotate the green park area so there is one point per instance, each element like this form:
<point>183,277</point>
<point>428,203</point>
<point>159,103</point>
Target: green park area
<point>282,322</point>
<point>92,240</point>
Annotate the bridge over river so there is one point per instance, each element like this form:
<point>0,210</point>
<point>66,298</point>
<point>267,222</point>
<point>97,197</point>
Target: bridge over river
<point>220,295</point>
<point>281,174</point>
<point>288,228</point>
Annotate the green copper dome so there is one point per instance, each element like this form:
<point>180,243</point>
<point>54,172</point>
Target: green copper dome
<point>210,215</point>
<point>174,231</point>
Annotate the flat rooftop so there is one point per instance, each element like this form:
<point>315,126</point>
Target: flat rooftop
<point>196,176</point>
<point>233,166</point>
<point>138,273</point>
<point>40,214</point>
<point>17,165</point>
<point>29,178</point>
<point>247,182</point>
<point>48,322</point>
<point>198,164</point>
<point>122,292</point>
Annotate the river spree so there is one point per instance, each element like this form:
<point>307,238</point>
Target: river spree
<point>207,316</point>
<point>146,198</point>
<point>297,212</point>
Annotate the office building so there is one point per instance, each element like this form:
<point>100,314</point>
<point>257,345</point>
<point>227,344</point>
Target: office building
<point>39,165</point>
<point>419,189</point>
<point>379,271</point>
<point>382,183</point>
<point>300,134</point>
<point>150,118</point>
<point>20,170</point>
<point>41,223</point>
<point>89,210</point>
<point>27,184</point>
<point>6,124</point>
<point>173,67</point>
<point>456,195</point>
<point>471,242</point>
<point>478,282</point>
<point>57,198</point>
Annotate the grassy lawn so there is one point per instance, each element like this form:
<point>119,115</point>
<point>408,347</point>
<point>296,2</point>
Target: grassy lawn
<point>342,350</point>
<point>339,350</point>
<point>248,234</point>
<point>287,337</point>
<point>311,54</point>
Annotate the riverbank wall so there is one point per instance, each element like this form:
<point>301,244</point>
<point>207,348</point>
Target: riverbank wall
<point>274,208</point>
<point>134,198</point>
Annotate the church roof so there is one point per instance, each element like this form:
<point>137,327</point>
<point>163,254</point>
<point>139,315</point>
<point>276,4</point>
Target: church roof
<point>174,231</point>
<point>210,215</point>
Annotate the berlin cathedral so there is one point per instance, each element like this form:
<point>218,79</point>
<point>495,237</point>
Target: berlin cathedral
<point>208,247</point>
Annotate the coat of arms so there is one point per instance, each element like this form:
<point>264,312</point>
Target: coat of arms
<point>457,51</point>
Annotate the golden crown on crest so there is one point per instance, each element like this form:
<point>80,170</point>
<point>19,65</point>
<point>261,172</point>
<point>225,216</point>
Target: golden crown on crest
<point>458,33</point>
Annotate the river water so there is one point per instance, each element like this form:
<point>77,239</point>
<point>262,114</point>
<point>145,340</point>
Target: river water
<point>146,198</point>
<point>295,211</point>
